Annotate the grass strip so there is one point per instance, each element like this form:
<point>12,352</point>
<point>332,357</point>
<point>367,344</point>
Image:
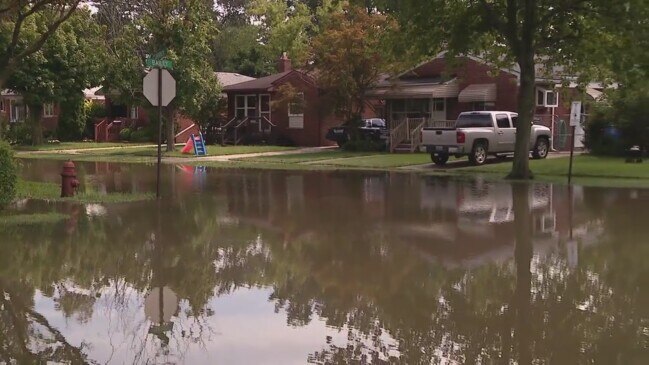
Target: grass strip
<point>74,146</point>
<point>52,192</point>
<point>31,219</point>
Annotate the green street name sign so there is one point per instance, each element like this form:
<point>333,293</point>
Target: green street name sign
<point>159,63</point>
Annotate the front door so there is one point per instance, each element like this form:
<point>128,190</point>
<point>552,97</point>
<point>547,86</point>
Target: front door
<point>438,109</point>
<point>505,134</point>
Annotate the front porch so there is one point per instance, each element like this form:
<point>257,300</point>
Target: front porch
<point>405,134</point>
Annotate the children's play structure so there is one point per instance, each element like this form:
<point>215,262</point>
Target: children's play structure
<point>195,143</point>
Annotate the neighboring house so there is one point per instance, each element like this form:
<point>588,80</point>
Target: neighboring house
<point>256,113</point>
<point>120,116</point>
<point>14,110</point>
<point>437,91</point>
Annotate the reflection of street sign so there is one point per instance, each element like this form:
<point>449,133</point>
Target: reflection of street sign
<point>159,63</point>
<point>575,113</point>
<point>151,87</point>
<point>572,253</point>
<point>160,305</point>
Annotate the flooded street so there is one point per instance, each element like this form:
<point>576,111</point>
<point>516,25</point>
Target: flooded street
<point>277,267</point>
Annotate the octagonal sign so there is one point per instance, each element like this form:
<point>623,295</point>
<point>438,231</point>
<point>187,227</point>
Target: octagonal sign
<point>150,87</point>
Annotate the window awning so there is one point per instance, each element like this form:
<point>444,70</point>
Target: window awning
<point>405,90</point>
<point>478,92</point>
<point>594,93</point>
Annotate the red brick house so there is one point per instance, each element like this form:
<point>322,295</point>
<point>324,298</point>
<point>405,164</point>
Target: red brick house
<point>254,110</point>
<point>13,110</point>
<point>120,116</point>
<point>437,91</point>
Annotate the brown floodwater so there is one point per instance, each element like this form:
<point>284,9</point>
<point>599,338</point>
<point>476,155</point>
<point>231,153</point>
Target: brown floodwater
<point>277,267</point>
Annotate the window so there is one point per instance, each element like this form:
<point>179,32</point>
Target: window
<point>296,112</point>
<point>18,112</point>
<point>2,105</point>
<point>474,121</point>
<point>514,121</point>
<point>48,110</point>
<point>134,113</point>
<point>503,121</point>
<point>483,105</point>
<point>546,98</point>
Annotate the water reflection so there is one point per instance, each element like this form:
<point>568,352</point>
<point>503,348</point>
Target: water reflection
<point>286,267</point>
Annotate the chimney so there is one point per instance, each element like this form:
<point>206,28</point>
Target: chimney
<point>284,63</point>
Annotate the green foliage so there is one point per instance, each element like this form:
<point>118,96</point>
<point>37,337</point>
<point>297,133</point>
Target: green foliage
<point>125,134</point>
<point>236,49</point>
<point>69,62</point>
<point>284,27</point>
<point>146,134</point>
<point>627,114</point>
<point>20,133</point>
<point>72,121</point>
<point>350,54</point>
<point>8,175</point>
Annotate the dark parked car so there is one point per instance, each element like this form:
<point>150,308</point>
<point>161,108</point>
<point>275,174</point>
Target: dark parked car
<point>374,129</point>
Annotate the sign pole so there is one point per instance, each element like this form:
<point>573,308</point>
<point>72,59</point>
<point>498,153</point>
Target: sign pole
<point>159,131</point>
<point>572,152</point>
<point>575,118</point>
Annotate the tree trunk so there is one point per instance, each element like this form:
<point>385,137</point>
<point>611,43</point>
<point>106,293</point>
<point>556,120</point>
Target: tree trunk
<point>523,256</point>
<point>526,100</point>
<point>34,120</point>
<point>171,133</point>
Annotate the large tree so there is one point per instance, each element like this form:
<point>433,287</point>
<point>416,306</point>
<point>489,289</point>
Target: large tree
<point>184,31</point>
<point>527,33</point>
<point>349,55</point>
<point>19,38</point>
<point>69,62</point>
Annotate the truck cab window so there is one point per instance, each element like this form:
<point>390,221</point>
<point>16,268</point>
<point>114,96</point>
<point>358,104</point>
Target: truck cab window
<point>503,121</point>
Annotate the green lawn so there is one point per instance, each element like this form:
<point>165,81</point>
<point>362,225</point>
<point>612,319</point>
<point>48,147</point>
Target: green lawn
<point>383,160</point>
<point>148,154</point>
<point>75,146</point>
<point>52,192</point>
<point>584,166</point>
<point>306,157</point>
<point>31,219</point>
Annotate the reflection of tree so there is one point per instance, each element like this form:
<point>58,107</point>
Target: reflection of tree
<point>27,336</point>
<point>331,257</point>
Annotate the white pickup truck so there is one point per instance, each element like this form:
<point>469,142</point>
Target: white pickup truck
<point>479,134</point>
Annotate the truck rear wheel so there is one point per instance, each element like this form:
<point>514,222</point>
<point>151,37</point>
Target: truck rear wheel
<point>541,148</point>
<point>478,155</point>
<point>440,159</point>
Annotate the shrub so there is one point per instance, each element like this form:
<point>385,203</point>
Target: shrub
<point>20,133</point>
<point>125,134</point>
<point>72,121</point>
<point>143,135</point>
<point>94,110</point>
<point>8,175</point>
<point>621,124</point>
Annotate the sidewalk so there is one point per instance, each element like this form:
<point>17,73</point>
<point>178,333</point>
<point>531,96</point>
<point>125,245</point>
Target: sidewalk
<point>228,158</point>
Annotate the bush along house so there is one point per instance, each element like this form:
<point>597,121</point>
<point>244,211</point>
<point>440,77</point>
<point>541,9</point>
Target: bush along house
<point>437,91</point>
<point>260,111</point>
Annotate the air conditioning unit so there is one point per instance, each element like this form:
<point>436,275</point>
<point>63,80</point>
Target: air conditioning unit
<point>546,98</point>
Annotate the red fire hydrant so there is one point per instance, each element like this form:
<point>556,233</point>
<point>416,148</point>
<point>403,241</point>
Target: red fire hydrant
<point>69,182</point>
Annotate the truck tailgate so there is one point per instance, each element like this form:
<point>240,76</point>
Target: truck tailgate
<point>438,137</point>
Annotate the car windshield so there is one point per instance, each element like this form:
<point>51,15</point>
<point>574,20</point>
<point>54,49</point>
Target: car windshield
<point>474,121</point>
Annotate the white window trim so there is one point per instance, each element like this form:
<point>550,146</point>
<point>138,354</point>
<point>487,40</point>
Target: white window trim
<point>131,112</point>
<point>545,97</point>
<point>48,110</point>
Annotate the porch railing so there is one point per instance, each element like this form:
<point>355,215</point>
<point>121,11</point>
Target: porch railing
<point>398,134</point>
<point>415,136</point>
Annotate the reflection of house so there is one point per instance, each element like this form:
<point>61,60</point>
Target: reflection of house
<point>437,91</point>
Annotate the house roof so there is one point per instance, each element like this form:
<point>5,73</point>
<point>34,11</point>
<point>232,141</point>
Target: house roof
<point>412,88</point>
<point>262,83</point>
<point>478,93</point>
<point>231,78</point>
<point>92,93</point>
